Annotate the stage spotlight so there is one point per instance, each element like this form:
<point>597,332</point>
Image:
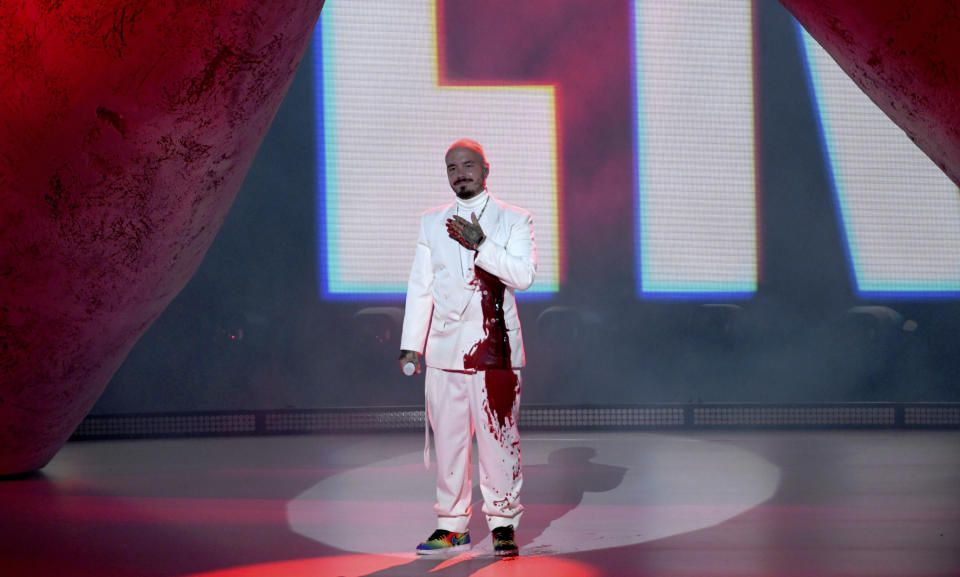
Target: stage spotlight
<point>870,340</point>
<point>874,327</point>
<point>378,327</point>
<point>229,334</point>
<point>717,323</point>
<point>560,326</point>
<point>557,350</point>
<point>226,330</point>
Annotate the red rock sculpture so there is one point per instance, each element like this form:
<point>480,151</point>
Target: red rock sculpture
<point>905,55</point>
<point>127,129</point>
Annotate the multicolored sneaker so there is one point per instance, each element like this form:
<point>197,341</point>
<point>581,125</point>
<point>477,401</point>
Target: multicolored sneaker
<point>442,541</point>
<point>504,545</point>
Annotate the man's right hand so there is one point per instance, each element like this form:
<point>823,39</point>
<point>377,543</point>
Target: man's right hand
<point>410,357</point>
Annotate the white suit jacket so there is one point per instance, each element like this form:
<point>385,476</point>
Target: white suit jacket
<point>443,317</point>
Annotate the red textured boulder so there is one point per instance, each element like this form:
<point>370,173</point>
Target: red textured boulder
<point>905,55</point>
<point>127,129</point>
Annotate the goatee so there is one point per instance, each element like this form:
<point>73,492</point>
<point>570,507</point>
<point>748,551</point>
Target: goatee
<point>465,194</point>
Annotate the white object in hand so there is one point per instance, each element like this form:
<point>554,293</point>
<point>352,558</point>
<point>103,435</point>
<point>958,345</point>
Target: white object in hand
<point>409,368</point>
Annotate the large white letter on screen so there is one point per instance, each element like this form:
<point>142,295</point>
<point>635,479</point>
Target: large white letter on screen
<point>387,123</point>
<point>900,213</point>
<point>696,177</point>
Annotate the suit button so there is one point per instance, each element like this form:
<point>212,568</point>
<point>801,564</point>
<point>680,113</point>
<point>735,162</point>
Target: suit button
<point>455,316</point>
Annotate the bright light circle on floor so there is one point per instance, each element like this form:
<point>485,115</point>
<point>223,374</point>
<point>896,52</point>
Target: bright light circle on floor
<point>581,494</point>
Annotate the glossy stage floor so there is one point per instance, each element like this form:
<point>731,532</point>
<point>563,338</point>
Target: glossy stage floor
<point>770,503</point>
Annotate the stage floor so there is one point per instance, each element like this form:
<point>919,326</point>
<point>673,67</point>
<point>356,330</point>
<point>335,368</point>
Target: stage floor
<point>758,503</point>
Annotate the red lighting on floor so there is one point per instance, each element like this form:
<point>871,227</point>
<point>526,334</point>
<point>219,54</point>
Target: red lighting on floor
<point>342,566</point>
<point>362,565</point>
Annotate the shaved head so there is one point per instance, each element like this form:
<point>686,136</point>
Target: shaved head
<point>471,145</point>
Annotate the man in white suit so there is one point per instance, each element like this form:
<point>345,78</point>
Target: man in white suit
<point>461,320</point>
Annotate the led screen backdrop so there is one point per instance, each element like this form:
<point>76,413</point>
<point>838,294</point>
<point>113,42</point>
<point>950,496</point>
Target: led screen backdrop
<point>900,213</point>
<point>719,213</point>
<point>388,116</point>
<point>389,110</point>
<point>695,151</point>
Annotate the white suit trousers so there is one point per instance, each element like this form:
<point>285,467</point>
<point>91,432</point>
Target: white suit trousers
<point>457,406</point>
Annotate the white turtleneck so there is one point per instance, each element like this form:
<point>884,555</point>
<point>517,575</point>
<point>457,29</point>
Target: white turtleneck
<point>464,208</point>
<point>474,204</point>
